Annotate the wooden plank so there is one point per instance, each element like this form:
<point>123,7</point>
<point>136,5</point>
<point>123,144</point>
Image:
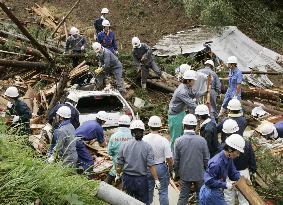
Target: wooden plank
<point>249,192</point>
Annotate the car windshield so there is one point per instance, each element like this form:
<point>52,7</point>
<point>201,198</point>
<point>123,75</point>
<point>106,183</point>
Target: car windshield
<point>94,104</point>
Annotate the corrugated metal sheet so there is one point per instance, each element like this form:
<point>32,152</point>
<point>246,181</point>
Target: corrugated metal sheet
<point>229,41</point>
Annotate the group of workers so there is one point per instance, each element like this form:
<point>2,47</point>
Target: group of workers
<point>106,50</point>
<point>204,164</point>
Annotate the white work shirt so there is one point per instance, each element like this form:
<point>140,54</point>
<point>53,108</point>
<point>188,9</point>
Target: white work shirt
<point>160,146</point>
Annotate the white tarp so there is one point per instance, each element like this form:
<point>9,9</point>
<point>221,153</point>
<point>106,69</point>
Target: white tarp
<point>230,41</point>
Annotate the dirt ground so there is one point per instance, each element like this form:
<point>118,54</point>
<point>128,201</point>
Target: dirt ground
<point>147,19</point>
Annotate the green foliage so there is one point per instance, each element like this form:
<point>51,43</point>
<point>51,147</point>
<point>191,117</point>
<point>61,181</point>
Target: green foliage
<point>24,177</point>
<point>217,13</point>
<point>193,8</point>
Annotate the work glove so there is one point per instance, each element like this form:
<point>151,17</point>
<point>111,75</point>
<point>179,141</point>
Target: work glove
<point>229,185</point>
<point>98,70</point>
<point>157,184</point>
<point>64,53</point>
<point>15,119</point>
<point>118,177</point>
<point>50,159</point>
<point>82,48</point>
<point>235,97</point>
<point>116,53</point>
<point>175,176</point>
<point>9,105</point>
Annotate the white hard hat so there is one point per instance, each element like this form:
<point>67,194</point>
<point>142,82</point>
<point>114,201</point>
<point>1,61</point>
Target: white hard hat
<point>154,121</point>
<point>96,47</point>
<point>137,124</point>
<point>124,120</point>
<point>12,92</point>
<point>236,141</point>
<point>190,75</point>
<point>210,62</point>
<point>64,112</point>
<point>190,119</point>
<point>230,126</point>
<point>104,11</point>
<point>266,128</point>
<point>105,23</point>
<point>202,110</point>
<point>258,112</point>
<point>234,104</point>
<point>184,68</point>
<point>74,30</point>
<point>72,96</point>
<point>232,59</point>
<point>136,42</point>
<point>102,115</point>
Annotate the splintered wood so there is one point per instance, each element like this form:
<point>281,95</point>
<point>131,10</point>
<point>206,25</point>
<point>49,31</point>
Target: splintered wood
<point>46,17</point>
<point>249,192</point>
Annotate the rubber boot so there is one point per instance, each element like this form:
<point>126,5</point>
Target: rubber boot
<point>143,85</point>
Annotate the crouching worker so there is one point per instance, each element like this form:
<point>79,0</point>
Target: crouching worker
<point>89,130</point>
<point>116,140</point>
<point>64,140</point>
<point>219,167</point>
<point>163,160</point>
<point>135,157</point>
<point>19,110</point>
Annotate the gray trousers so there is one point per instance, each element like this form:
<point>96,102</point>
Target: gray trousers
<point>213,96</point>
<point>145,70</point>
<point>118,74</point>
<point>186,191</point>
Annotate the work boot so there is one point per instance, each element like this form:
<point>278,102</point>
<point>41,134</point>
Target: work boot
<point>143,85</point>
<point>109,179</point>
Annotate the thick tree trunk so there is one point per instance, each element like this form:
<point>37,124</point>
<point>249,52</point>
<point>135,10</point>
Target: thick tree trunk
<point>23,64</point>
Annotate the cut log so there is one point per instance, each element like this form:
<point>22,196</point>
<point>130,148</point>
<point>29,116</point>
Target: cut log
<point>23,64</point>
<point>64,19</point>
<point>34,42</point>
<point>248,192</point>
<point>267,109</point>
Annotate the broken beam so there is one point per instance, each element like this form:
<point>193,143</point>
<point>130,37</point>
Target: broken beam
<point>34,42</point>
<point>23,64</point>
<point>64,19</point>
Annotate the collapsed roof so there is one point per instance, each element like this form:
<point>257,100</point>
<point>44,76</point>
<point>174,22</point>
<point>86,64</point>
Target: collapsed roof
<point>227,41</point>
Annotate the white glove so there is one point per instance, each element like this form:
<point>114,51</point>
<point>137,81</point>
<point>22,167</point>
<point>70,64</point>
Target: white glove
<point>229,185</point>
<point>82,48</point>
<point>118,176</point>
<point>15,119</point>
<point>157,184</point>
<point>235,97</point>
<point>64,53</point>
<point>9,105</point>
<point>116,52</point>
<point>50,159</point>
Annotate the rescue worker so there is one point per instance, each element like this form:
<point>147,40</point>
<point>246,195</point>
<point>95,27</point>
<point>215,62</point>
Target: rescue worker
<point>179,72</point>
<point>235,113</point>
<point>269,131</point>
<point>215,86</point>
<point>163,160</point>
<point>234,87</point>
<point>107,38</point>
<point>246,165</point>
<point>184,98</point>
<point>191,155</point>
<point>89,130</point>
<point>76,43</point>
<point>98,22</point>
<point>71,102</point>
<point>219,168</point>
<point>208,129</point>
<point>109,63</point>
<point>122,135</point>
<point>144,60</point>
<point>64,138</point>
<point>135,157</point>
<point>229,127</point>
<point>19,110</point>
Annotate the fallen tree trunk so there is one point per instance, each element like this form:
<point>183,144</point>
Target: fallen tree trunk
<point>34,42</point>
<point>23,64</point>
<point>251,105</point>
<point>22,38</point>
